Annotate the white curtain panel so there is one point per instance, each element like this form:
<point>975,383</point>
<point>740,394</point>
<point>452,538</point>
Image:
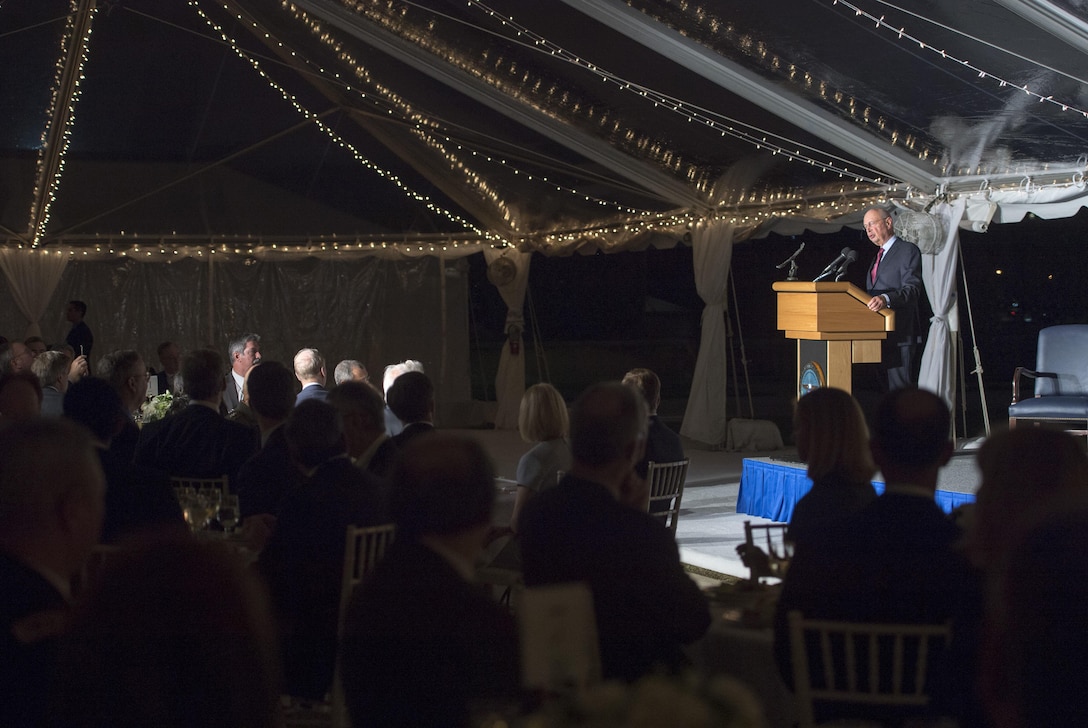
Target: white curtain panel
<point>33,276</point>
<point>510,379</point>
<point>712,251</point>
<point>938,368</point>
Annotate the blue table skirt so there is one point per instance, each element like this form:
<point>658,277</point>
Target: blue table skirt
<point>771,489</point>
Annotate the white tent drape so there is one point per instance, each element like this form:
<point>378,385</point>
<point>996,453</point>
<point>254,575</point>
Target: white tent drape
<point>705,417</point>
<point>938,369</point>
<point>33,278</point>
<point>510,379</point>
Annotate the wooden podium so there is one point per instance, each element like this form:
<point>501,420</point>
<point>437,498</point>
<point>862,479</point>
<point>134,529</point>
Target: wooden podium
<point>834,329</point>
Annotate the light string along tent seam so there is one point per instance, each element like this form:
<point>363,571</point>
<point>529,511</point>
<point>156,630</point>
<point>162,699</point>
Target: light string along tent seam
<point>427,127</point>
<point>40,216</point>
<point>367,163</point>
<point>721,123</point>
<point>982,73</point>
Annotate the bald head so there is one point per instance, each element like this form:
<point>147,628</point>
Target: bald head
<point>607,421</point>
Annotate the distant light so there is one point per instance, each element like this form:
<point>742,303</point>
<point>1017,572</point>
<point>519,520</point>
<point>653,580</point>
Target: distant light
<point>1050,277</point>
<point>999,272</point>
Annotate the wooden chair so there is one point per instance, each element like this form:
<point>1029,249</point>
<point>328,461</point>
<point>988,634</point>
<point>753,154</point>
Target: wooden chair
<point>667,488</point>
<point>765,551</point>
<point>222,483</point>
<point>862,665</point>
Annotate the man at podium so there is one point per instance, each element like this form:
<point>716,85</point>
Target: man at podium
<point>895,282</point>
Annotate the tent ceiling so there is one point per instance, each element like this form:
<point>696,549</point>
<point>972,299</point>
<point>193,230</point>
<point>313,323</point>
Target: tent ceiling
<point>553,125</point>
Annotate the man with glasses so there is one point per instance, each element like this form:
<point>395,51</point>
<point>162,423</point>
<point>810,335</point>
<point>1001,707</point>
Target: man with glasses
<point>245,351</point>
<point>894,280</point>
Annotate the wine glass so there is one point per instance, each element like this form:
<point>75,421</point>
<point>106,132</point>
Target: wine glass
<point>228,513</point>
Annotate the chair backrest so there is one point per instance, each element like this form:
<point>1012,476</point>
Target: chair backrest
<point>768,552</point>
<point>883,666</point>
<point>667,487</point>
<point>221,483</point>
<point>1062,350</point>
<point>363,548</point>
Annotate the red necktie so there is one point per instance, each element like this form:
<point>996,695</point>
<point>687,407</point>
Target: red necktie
<point>879,255</point>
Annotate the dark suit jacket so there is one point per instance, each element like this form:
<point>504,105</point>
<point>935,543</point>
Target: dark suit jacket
<point>900,277</point>
<point>894,561</point>
<point>137,498</point>
<point>266,478</point>
<point>80,336</point>
<point>230,394</point>
<point>315,392</point>
<point>197,442</point>
<point>304,561</point>
<point>163,383</point>
<point>662,445</point>
<point>646,605</point>
<point>31,611</point>
<point>411,432</point>
<point>422,644</point>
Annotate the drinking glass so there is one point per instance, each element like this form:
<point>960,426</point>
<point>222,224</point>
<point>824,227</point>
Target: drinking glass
<point>228,513</point>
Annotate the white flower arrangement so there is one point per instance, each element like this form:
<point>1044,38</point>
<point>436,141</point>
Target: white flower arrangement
<point>157,407</point>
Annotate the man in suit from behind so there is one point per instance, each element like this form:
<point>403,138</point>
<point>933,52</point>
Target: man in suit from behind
<point>411,398</point>
<point>51,511</point>
<point>304,560</point>
<point>364,426</point>
<point>894,281</point>
<point>662,444</point>
<point>244,352</point>
<point>310,373</point>
<point>198,442</point>
<point>267,477</point>
<point>592,527</point>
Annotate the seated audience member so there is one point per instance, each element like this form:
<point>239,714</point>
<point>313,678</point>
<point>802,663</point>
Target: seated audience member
<point>127,374</point>
<point>51,369</point>
<point>310,372</point>
<point>662,444</point>
<point>393,426</point>
<point>304,559</point>
<point>198,442</point>
<point>51,491</point>
<point>169,355</point>
<point>21,358</point>
<point>592,527</point>
<point>896,560</point>
<point>20,397</point>
<point>138,498</point>
<point>350,370</point>
<point>1024,471</point>
<point>1035,663</point>
<point>172,633</point>
<point>412,400</point>
<point>833,439</point>
<point>36,344</point>
<point>424,646</point>
<point>364,426</point>
<point>267,477</point>
<point>543,421</point>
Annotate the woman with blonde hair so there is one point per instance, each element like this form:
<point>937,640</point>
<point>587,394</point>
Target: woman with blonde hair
<point>833,440</point>
<point>543,421</point>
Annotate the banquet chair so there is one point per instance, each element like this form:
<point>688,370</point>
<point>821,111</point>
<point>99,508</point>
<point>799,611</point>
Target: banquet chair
<point>1061,381</point>
<point>221,483</point>
<point>667,488</point>
<point>865,670</point>
<point>772,558</point>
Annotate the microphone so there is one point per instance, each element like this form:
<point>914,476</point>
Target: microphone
<point>850,258</point>
<point>834,264</point>
<point>793,265</point>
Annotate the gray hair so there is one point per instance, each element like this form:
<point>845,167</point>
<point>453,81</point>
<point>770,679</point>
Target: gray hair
<point>237,346</point>
<point>344,370</point>
<point>49,366</point>
<point>395,370</point>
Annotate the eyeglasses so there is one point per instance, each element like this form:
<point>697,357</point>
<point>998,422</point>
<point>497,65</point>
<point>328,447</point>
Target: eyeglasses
<point>871,225</point>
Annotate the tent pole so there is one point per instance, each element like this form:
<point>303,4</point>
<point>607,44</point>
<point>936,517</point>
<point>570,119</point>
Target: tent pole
<point>211,298</point>
<point>974,346</point>
<point>740,337</point>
